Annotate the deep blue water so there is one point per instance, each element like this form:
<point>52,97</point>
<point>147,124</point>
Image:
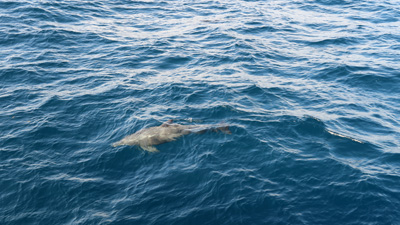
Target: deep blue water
<point>310,89</point>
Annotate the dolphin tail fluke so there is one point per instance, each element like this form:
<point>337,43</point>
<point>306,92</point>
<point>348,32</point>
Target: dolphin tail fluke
<point>224,129</point>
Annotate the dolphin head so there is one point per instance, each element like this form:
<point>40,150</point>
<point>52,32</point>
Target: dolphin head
<point>128,140</point>
<point>115,144</point>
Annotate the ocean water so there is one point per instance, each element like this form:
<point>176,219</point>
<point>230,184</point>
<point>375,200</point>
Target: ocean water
<point>309,88</point>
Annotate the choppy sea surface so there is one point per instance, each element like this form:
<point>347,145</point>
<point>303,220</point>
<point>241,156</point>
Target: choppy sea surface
<point>310,89</point>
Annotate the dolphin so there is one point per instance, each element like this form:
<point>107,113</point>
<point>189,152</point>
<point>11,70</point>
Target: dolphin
<point>168,131</point>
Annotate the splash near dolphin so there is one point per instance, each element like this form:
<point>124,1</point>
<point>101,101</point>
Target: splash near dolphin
<point>168,131</point>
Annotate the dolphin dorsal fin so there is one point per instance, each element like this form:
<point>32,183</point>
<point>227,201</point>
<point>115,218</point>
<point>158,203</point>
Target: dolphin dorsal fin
<point>166,124</point>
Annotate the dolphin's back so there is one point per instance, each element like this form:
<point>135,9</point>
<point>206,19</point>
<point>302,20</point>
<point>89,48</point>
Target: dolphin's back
<point>148,137</point>
<point>159,135</point>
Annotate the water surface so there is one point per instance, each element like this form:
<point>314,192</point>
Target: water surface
<point>310,89</point>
